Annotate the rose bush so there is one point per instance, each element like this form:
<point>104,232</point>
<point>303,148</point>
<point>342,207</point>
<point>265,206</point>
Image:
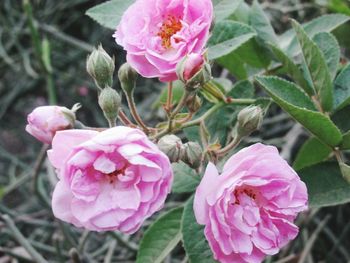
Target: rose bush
<point>248,211</point>
<point>158,34</point>
<point>112,180</point>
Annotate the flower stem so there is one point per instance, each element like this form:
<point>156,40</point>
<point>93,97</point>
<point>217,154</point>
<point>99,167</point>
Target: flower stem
<point>168,105</point>
<point>229,147</point>
<point>134,113</point>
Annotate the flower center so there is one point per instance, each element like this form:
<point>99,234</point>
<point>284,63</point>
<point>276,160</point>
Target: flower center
<point>247,191</point>
<point>170,26</point>
<point>113,176</point>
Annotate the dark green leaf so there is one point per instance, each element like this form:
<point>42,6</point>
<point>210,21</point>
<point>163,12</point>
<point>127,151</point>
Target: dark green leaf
<point>325,23</point>
<point>345,145</point>
<point>240,61</point>
<point>330,49</point>
<point>325,184</point>
<point>161,237</point>
<point>108,14</point>
<point>317,68</point>
<point>195,244</point>
<point>224,8</point>
<point>341,118</point>
<point>342,89</point>
<point>261,24</point>
<point>185,179</point>
<point>289,97</point>
<point>312,152</point>
<point>228,36</point>
<point>292,69</point>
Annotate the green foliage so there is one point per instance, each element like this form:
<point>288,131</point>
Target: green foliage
<point>161,237</point>
<point>312,152</point>
<point>292,69</point>
<point>261,24</point>
<point>326,185</point>
<point>329,46</point>
<point>178,91</point>
<point>224,8</point>
<point>195,244</point>
<point>290,97</point>
<point>346,141</point>
<point>342,89</point>
<point>108,14</point>
<point>228,36</point>
<point>317,68</point>
<point>326,23</point>
<point>185,178</point>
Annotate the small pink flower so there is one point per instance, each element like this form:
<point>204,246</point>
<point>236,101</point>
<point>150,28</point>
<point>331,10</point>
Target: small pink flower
<point>248,211</point>
<point>112,180</point>
<point>158,34</point>
<point>45,121</point>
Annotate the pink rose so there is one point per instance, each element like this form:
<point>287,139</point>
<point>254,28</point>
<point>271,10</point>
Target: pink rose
<point>248,211</point>
<point>44,121</point>
<point>112,180</point>
<point>158,34</point>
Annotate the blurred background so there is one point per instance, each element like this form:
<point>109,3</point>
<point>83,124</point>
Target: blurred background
<point>43,46</point>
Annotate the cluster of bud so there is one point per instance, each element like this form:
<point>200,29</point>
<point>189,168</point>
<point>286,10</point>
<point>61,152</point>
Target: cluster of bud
<point>190,152</point>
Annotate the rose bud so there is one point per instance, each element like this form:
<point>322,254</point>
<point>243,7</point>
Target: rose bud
<point>194,71</point>
<point>110,101</point>
<point>127,77</point>
<point>45,121</point>
<point>249,120</point>
<point>100,66</point>
<point>172,146</point>
<point>249,210</point>
<point>192,155</point>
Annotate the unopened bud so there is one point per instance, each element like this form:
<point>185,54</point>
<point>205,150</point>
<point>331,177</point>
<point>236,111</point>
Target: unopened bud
<point>127,77</point>
<point>100,66</point>
<point>193,103</point>
<point>194,71</point>
<point>192,155</point>
<point>172,146</point>
<point>249,120</point>
<point>109,101</point>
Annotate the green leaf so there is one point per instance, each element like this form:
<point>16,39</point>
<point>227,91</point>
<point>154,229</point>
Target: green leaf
<point>245,59</point>
<point>341,118</point>
<point>195,244</point>
<point>292,69</point>
<point>108,14</point>
<point>339,6</point>
<point>317,68</point>
<point>345,145</point>
<point>325,184</point>
<point>224,8</point>
<point>325,23</point>
<point>261,23</point>
<point>185,179</point>
<point>329,46</point>
<point>342,89</point>
<point>161,237</point>
<point>292,99</point>
<point>227,36</point>
<point>312,152</point>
